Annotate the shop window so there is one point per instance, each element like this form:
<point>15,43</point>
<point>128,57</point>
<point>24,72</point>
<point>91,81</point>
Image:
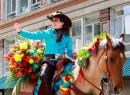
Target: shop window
<point>76,33</point>
<point>17,7</point>
<point>92,27</point>
<point>35,4</point>
<point>23,6</point>
<point>121,24</point>
<point>11,9</point>
<point>54,1</point>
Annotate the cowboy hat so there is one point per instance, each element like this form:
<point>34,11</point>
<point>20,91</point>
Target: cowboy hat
<point>62,17</point>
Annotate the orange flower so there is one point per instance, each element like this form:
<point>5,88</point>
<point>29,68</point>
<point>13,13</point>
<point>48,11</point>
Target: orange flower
<point>18,74</point>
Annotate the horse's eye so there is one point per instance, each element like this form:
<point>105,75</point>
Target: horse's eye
<point>111,59</point>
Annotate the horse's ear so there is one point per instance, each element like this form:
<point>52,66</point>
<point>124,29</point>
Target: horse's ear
<point>122,38</point>
<point>109,42</point>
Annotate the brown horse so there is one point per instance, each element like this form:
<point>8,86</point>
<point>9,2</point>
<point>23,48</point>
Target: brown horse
<point>109,60</point>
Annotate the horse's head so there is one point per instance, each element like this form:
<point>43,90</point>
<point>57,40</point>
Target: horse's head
<point>111,61</point>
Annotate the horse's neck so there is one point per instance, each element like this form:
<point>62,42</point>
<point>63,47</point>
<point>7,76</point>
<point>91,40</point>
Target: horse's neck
<point>92,73</point>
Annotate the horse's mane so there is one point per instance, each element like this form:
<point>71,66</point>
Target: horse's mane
<point>116,43</point>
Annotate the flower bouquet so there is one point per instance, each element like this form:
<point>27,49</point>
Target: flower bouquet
<point>24,60</point>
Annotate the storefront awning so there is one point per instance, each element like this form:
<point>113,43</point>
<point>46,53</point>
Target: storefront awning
<point>126,68</point>
<point>2,83</point>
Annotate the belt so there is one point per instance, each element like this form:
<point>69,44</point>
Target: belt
<point>48,58</point>
<point>52,57</point>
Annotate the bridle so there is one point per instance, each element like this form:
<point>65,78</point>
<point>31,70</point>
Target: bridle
<point>108,72</point>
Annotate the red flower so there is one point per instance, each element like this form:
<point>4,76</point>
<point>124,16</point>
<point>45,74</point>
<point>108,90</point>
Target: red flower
<point>39,61</point>
<point>36,46</point>
<point>10,54</point>
<point>67,78</point>
<point>90,49</point>
<point>24,63</point>
<point>26,58</point>
<point>15,64</point>
<point>35,58</point>
<point>20,65</point>
<point>97,43</point>
<point>98,39</point>
<point>29,70</point>
<point>33,76</point>
<point>18,74</point>
<point>5,58</point>
<point>25,71</point>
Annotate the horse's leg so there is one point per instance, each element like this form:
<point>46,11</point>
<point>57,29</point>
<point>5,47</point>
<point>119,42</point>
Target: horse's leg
<point>46,79</point>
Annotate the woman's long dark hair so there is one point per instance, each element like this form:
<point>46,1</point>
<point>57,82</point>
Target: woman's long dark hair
<point>65,29</point>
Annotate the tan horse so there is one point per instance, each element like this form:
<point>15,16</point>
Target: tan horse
<point>109,60</point>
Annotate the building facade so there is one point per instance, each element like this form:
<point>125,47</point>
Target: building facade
<point>89,17</point>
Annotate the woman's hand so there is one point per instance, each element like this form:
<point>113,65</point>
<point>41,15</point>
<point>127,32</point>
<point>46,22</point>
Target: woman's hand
<point>17,27</point>
<point>74,54</point>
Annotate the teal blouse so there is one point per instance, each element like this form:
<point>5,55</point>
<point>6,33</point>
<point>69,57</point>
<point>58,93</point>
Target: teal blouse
<point>50,36</point>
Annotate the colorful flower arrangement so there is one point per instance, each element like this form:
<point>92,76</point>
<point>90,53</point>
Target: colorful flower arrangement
<point>24,59</point>
<point>88,50</point>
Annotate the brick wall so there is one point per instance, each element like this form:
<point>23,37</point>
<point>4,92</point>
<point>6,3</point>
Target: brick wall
<point>105,15</point>
<point>105,20</point>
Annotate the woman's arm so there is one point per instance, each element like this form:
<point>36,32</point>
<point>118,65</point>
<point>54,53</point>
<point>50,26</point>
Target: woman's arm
<point>43,34</point>
<point>69,48</point>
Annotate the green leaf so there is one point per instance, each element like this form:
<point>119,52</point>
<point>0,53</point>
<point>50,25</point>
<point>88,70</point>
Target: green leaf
<point>91,93</point>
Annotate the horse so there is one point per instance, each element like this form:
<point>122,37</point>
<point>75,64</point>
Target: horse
<point>109,60</point>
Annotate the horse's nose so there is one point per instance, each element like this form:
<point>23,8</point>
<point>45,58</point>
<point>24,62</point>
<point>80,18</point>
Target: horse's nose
<point>116,90</point>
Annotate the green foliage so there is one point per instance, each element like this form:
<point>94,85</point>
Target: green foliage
<point>91,93</point>
<point>10,81</point>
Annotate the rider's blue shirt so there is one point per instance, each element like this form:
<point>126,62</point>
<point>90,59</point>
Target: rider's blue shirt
<point>50,36</point>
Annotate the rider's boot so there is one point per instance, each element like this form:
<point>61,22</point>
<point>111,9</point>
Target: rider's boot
<point>47,73</point>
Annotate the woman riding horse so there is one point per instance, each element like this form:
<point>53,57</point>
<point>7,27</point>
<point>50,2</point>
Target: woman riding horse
<point>57,40</point>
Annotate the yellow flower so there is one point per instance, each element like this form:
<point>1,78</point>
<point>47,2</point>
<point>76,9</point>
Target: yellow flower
<point>23,46</point>
<point>22,55</point>
<point>63,88</point>
<point>11,66</point>
<point>94,40</point>
<point>17,58</point>
<point>31,61</point>
<point>38,51</point>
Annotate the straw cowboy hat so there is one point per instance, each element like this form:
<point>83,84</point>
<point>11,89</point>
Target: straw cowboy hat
<point>62,17</point>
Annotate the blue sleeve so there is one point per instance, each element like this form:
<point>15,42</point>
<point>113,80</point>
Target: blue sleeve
<point>43,34</point>
<point>69,48</point>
